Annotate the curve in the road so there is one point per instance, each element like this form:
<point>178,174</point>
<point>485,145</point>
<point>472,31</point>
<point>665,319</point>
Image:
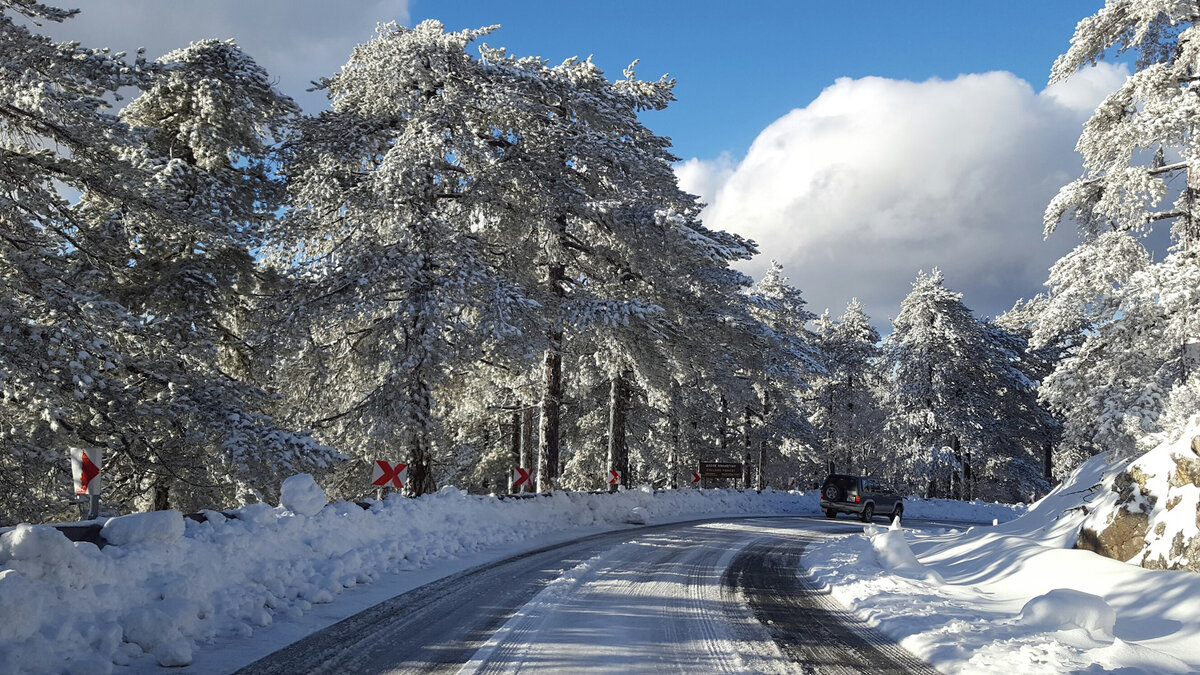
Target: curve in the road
<point>682,597</point>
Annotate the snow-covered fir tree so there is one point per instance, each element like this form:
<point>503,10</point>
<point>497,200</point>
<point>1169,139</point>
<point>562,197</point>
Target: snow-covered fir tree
<point>387,192</point>
<point>1127,326</point>
<point>194,435</point>
<point>845,400</point>
<point>788,361</point>
<point>636,364</point>
<point>578,236</point>
<point>1021,433</point>
<point>938,393</point>
<point>57,372</point>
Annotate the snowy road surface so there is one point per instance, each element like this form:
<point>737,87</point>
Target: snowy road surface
<point>704,596</point>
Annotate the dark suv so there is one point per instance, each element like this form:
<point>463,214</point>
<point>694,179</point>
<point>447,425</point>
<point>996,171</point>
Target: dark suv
<point>863,496</point>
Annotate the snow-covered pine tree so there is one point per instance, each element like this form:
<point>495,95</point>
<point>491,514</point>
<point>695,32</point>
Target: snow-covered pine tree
<point>789,360</point>
<point>1127,326</point>
<point>582,157</point>
<point>195,435</point>
<point>1020,431</point>
<point>845,400</point>
<point>1085,292</point>
<point>940,388</point>
<point>636,363</point>
<point>388,191</point>
<point>1128,382</point>
<point>57,351</point>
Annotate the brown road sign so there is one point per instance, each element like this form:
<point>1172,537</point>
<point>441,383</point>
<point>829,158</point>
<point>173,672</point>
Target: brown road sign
<point>721,469</point>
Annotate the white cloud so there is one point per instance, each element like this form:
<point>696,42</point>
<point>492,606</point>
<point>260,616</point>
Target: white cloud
<point>297,41</point>
<point>877,179</point>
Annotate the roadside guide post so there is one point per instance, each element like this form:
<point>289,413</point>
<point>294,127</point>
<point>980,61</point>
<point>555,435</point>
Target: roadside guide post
<point>385,474</point>
<point>85,478</point>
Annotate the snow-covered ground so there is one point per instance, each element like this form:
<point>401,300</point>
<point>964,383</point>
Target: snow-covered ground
<point>1017,598</point>
<point>217,594</point>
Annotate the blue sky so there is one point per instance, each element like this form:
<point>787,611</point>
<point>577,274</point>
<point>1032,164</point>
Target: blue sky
<point>857,143</point>
<point>739,66</point>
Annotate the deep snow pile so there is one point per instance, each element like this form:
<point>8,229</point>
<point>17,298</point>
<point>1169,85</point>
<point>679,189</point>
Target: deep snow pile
<point>168,582</point>
<point>1017,597</point>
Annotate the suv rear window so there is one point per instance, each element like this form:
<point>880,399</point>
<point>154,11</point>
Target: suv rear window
<point>846,483</point>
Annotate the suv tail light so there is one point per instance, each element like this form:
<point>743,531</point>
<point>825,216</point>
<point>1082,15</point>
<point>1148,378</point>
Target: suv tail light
<point>857,499</point>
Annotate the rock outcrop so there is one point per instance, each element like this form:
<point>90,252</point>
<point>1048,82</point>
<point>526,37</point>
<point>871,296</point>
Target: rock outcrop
<point>1149,516</point>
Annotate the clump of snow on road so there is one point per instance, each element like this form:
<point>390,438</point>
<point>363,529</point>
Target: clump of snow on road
<point>1017,597</point>
<point>168,583</point>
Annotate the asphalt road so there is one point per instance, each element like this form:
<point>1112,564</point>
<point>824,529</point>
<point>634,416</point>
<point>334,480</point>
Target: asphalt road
<point>703,596</point>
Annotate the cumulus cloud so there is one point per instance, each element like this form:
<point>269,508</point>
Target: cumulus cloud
<point>297,41</point>
<point>877,179</point>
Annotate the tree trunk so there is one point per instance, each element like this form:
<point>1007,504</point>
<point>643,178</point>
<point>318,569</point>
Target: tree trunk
<point>762,465</point>
<point>673,456</point>
<point>515,451</point>
<point>968,477</point>
<point>724,436</point>
<point>956,473</point>
<point>1048,461</point>
<point>552,384</point>
<point>548,430</point>
<point>420,468</point>
<point>527,448</point>
<point>162,497</point>
<point>618,451</point>
<point>746,440</point>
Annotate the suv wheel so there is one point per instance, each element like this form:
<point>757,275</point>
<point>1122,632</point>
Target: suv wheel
<point>832,493</point>
<point>868,513</point>
<point>830,513</point>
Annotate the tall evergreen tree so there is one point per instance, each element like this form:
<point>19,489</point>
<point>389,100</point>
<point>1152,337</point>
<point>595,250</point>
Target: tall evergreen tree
<point>58,380</point>
<point>789,360</point>
<point>1127,326</point>
<point>388,190</point>
<point>195,435</point>
<point>584,158</point>
<point>845,400</point>
<point>939,383</point>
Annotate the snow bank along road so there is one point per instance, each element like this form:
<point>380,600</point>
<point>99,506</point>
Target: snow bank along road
<point>703,596</point>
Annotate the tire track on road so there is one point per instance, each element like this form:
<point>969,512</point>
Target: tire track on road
<point>812,628</point>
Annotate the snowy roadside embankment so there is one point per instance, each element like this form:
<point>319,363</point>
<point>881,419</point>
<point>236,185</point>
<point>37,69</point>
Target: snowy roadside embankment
<point>1016,597</point>
<point>977,511</point>
<point>167,583</point>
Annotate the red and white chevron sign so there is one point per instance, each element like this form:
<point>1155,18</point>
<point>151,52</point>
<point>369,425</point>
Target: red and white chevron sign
<point>522,477</point>
<point>614,477</point>
<point>85,470</point>
<point>384,474</point>
<point>695,477</point>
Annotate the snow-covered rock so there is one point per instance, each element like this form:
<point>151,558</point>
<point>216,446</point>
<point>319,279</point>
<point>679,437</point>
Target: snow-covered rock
<point>1147,514</point>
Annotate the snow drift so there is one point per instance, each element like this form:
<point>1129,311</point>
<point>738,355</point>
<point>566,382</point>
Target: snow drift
<point>1020,596</point>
